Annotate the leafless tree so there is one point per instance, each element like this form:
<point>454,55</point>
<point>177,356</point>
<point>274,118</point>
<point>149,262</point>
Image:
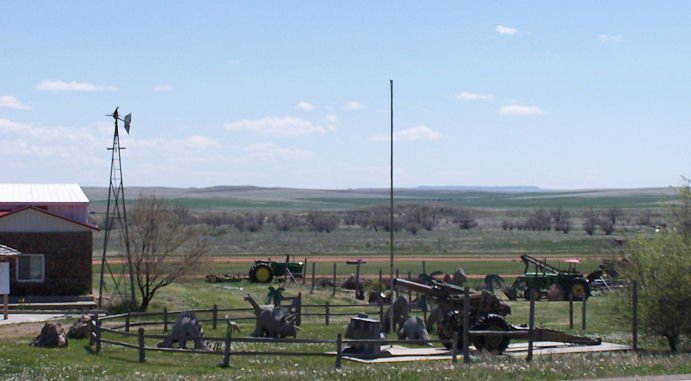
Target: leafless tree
<point>163,248</point>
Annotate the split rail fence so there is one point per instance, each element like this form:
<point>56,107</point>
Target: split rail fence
<point>223,345</point>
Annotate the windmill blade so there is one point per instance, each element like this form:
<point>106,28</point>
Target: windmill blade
<point>128,120</point>
<point>115,113</point>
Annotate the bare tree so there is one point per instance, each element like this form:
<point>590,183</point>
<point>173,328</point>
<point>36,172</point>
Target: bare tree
<point>163,248</point>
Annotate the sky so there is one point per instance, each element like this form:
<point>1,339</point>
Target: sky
<point>559,95</point>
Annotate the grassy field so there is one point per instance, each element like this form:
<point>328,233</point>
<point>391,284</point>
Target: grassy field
<point>482,250</point>
<point>78,362</point>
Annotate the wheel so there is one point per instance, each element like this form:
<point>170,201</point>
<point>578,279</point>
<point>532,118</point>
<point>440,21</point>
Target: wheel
<point>579,289</point>
<point>261,273</point>
<point>494,344</point>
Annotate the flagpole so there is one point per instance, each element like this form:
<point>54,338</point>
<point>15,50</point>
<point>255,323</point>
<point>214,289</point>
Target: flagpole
<point>391,227</point>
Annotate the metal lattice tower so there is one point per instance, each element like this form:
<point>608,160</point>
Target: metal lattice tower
<point>116,222</point>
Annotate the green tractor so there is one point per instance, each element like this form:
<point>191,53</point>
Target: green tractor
<point>549,281</point>
<point>264,271</point>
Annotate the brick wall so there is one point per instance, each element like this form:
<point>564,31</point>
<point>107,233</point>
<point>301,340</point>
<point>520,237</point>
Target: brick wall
<point>67,262</point>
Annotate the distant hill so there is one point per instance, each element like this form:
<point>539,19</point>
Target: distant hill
<point>522,189</point>
<point>219,198</point>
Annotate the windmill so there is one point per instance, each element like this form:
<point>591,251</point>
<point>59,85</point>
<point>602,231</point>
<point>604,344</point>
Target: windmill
<point>116,222</point>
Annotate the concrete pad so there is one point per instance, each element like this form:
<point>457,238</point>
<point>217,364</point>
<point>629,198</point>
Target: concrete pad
<point>29,318</point>
<point>404,354</point>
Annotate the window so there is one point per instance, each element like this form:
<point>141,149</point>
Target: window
<point>31,268</point>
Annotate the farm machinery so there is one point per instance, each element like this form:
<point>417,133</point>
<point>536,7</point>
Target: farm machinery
<point>548,280</point>
<point>264,271</point>
<point>487,313</point>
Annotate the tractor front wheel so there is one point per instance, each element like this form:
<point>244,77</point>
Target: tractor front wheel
<point>261,273</point>
<point>579,289</point>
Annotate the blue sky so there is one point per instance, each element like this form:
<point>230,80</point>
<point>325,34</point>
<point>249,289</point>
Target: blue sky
<point>559,95</point>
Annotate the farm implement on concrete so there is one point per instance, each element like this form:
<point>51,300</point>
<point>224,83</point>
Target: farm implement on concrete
<point>486,313</point>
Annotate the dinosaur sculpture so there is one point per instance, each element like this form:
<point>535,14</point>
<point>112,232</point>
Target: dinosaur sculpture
<point>399,308</point>
<point>272,321</point>
<point>186,327</point>
<point>413,328</point>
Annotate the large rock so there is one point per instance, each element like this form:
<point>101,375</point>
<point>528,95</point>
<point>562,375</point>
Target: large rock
<point>52,336</point>
<point>80,328</point>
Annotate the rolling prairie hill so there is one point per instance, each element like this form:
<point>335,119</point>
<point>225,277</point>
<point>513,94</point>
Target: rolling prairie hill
<point>258,198</point>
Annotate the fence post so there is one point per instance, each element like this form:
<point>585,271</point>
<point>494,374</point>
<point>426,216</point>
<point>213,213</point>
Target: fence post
<point>454,348</point>
<point>380,284</point>
<point>466,324</point>
<point>226,350</point>
<point>326,314</point>
<point>214,316</point>
<point>531,325</point>
<point>127,322</point>
<point>314,264</point>
<point>334,281</point>
<point>298,319</point>
<point>339,350</point>
<point>424,267</point>
<point>396,289</point>
<point>410,293</point>
<point>583,313</point>
<point>165,319</point>
<point>140,333</point>
<point>570,310</point>
<point>98,336</point>
<point>634,316</point>
<point>92,329</point>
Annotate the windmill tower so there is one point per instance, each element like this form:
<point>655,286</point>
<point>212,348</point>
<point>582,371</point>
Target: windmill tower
<point>122,284</point>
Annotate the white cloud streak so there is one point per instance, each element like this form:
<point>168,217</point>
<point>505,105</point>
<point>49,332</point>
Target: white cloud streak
<point>58,85</point>
<point>501,29</point>
<point>467,96</point>
<point>8,101</point>
<point>354,106</point>
<point>305,106</point>
<point>276,126</point>
<point>270,151</point>
<point>520,110</point>
<point>420,132</point>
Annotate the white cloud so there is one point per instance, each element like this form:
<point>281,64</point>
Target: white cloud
<point>9,101</point>
<point>162,88</point>
<point>354,106</point>
<point>520,110</point>
<point>331,119</point>
<point>467,96</point>
<point>275,126</point>
<point>58,85</point>
<point>199,142</point>
<point>501,29</point>
<point>270,151</point>
<point>305,106</point>
<point>420,132</point>
<point>610,37</point>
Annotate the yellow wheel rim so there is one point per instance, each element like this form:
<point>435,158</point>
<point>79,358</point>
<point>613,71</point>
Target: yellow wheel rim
<point>262,274</point>
<point>578,290</point>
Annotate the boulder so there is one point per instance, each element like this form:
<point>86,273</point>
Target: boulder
<point>52,336</point>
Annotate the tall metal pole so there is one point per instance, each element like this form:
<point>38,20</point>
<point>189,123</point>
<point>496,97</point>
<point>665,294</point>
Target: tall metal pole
<point>391,227</point>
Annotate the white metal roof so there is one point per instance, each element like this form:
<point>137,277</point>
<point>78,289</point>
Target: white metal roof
<point>43,193</point>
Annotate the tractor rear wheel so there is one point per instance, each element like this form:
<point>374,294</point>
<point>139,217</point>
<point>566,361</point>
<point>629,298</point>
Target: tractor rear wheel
<point>493,344</point>
<point>579,289</point>
<point>261,273</point>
